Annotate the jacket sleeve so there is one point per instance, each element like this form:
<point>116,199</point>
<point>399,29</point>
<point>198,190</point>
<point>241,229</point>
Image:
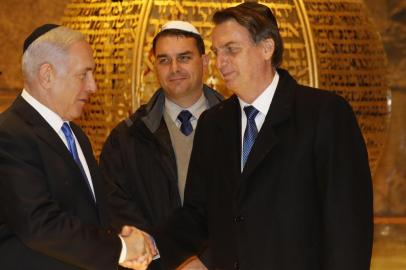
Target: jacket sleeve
<point>204,257</point>
<point>32,214</point>
<point>345,186</point>
<point>123,208</point>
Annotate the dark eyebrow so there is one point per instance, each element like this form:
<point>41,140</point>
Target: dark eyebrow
<point>185,53</point>
<point>225,45</point>
<point>85,69</point>
<point>179,54</point>
<point>161,55</point>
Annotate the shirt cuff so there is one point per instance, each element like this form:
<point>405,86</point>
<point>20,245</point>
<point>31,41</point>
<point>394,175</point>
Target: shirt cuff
<point>123,253</point>
<point>157,256</point>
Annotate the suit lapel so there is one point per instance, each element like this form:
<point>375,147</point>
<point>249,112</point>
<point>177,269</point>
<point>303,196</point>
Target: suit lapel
<point>265,141</point>
<point>229,124</point>
<point>43,130</point>
<point>86,149</point>
<point>48,135</point>
<point>90,161</point>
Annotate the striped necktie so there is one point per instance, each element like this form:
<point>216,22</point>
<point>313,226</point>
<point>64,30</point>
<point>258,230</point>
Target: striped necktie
<point>250,133</point>
<point>74,152</point>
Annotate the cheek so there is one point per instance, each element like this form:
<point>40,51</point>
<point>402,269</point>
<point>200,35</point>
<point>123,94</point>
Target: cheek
<point>161,74</point>
<point>76,92</point>
<point>195,73</point>
<point>248,66</point>
<point>65,97</point>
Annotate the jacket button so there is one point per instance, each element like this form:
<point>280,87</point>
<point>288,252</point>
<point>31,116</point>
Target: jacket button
<point>236,265</point>
<point>238,219</point>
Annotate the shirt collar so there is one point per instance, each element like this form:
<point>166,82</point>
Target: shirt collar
<point>196,109</point>
<point>53,119</point>
<point>263,101</point>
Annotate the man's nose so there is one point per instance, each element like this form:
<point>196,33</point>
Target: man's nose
<point>174,65</point>
<point>221,60</point>
<point>92,86</point>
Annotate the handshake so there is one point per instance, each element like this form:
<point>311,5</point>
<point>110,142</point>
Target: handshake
<point>140,248</point>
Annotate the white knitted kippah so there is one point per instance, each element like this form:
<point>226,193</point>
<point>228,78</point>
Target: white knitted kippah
<point>180,25</point>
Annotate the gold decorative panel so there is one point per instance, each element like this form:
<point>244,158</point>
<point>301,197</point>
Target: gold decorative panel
<point>328,44</point>
<point>351,62</point>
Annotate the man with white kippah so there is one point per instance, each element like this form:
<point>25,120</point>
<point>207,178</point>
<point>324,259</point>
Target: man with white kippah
<point>145,159</point>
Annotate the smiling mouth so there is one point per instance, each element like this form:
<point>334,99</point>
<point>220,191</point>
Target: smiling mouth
<point>176,79</point>
<point>227,74</point>
<point>84,100</point>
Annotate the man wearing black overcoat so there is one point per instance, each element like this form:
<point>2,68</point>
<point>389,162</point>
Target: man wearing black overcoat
<point>279,175</point>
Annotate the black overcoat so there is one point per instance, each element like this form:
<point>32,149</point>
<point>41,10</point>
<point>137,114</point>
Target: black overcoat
<point>303,200</point>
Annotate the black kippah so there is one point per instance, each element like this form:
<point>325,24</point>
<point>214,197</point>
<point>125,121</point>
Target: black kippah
<point>37,33</point>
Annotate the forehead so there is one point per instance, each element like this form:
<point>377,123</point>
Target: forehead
<point>228,32</point>
<point>175,45</point>
<point>80,54</point>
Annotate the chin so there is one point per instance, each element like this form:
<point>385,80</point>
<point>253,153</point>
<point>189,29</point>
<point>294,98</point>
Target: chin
<point>176,91</point>
<point>231,86</point>
<point>76,114</point>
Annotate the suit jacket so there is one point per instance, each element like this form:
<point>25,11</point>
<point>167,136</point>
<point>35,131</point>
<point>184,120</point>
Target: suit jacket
<point>303,200</point>
<point>139,166</point>
<point>48,218</point>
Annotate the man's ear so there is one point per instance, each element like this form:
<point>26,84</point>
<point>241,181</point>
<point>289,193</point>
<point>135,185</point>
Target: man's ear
<point>268,46</point>
<point>45,75</point>
<point>206,60</point>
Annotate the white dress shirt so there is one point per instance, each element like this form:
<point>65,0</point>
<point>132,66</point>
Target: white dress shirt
<point>56,122</point>
<point>261,103</point>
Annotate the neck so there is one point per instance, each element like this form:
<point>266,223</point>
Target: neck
<point>250,96</point>
<point>40,95</point>
<point>186,101</point>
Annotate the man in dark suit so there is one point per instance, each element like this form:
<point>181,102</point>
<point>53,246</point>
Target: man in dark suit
<point>52,207</point>
<point>145,158</point>
<point>279,175</point>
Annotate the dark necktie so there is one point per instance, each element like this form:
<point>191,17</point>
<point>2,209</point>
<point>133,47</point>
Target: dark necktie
<point>74,152</point>
<point>250,133</point>
<point>184,117</point>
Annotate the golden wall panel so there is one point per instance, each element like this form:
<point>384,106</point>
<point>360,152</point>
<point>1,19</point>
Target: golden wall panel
<point>329,44</point>
<point>351,62</point>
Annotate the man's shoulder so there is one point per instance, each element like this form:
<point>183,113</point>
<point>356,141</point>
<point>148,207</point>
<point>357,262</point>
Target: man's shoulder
<point>323,95</point>
<point>129,125</point>
<point>213,96</point>
<point>17,137</point>
<point>220,110</point>
<point>12,122</point>
<point>303,93</point>
<point>315,101</point>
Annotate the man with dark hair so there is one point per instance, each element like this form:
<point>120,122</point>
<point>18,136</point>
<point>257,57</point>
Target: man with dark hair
<point>145,158</point>
<point>53,212</point>
<point>279,175</point>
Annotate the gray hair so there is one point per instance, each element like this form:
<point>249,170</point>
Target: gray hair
<point>49,48</point>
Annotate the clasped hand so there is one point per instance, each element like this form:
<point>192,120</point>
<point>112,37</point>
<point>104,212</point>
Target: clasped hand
<point>140,249</point>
